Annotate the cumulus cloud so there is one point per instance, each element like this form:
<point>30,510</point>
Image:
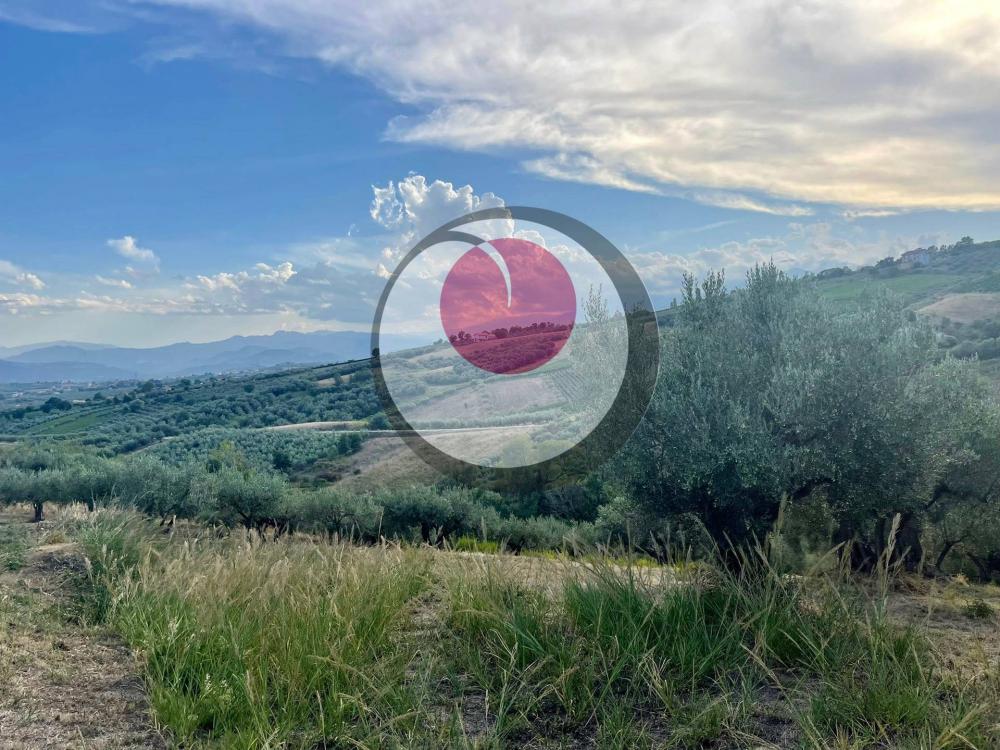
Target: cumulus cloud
<point>127,247</point>
<point>341,279</point>
<point>13,274</point>
<point>867,103</point>
<point>413,208</point>
<point>260,278</point>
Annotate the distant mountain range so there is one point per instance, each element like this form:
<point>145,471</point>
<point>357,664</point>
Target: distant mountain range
<point>80,362</point>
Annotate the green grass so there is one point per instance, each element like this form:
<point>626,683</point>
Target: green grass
<point>912,287</point>
<point>989,282</point>
<point>71,423</point>
<point>247,642</point>
<point>473,544</point>
<point>13,548</point>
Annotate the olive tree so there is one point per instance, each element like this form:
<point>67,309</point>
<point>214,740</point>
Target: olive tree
<point>772,395</point>
<point>246,498</point>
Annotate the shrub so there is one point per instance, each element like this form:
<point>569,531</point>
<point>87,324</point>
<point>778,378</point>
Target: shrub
<point>333,512</point>
<point>248,499</point>
<point>979,609</point>
<point>473,544</point>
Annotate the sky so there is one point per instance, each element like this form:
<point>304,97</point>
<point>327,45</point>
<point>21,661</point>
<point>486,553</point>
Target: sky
<point>193,169</point>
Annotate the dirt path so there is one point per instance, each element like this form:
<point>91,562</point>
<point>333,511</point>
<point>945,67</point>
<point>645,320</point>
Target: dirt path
<point>62,684</point>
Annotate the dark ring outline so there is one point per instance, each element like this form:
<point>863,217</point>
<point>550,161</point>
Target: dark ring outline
<point>641,366</point>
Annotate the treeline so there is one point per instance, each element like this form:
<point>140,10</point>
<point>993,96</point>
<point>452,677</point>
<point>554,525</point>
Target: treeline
<point>228,492</point>
<point>284,451</point>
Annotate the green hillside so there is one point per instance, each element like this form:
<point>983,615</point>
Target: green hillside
<point>957,287</point>
<point>154,411</point>
<point>917,285</point>
<point>929,275</point>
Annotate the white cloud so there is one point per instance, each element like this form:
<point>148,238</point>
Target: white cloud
<point>30,279</point>
<point>277,275</point>
<point>741,202</point>
<point>127,247</point>
<point>803,248</point>
<point>334,281</point>
<point>15,303</point>
<point>117,283</point>
<point>869,213</point>
<point>245,285</point>
<point>588,170</point>
<point>867,103</point>
<point>13,274</point>
<point>219,281</point>
<point>413,208</point>
<point>338,279</point>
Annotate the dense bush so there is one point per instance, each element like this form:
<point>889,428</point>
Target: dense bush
<point>245,498</point>
<point>770,395</point>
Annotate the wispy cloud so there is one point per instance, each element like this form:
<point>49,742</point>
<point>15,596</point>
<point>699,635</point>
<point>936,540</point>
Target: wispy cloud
<point>116,283</point>
<point>866,103</point>
<point>739,202</point>
<point>40,22</point>
<point>588,170</point>
<point>869,213</point>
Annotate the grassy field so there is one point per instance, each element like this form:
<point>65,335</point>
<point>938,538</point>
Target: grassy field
<point>912,287</point>
<point>244,642</point>
<point>72,424</point>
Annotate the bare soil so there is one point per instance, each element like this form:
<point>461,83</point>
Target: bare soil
<point>965,642</point>
<point>63,684</point>
<point>965,308</point>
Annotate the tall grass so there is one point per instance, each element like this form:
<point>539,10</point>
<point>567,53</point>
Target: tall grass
<point>691,660</point>
<point>267,644</point>
<point>255,643</point>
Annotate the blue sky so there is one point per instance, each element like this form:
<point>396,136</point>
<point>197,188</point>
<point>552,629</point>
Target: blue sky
<point>189,170</point>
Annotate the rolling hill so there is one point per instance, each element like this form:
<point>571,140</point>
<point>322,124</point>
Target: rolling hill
<point>922,277</point>
<point>67,361</point>
<point>957,287</point>
<point>60,371</point>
